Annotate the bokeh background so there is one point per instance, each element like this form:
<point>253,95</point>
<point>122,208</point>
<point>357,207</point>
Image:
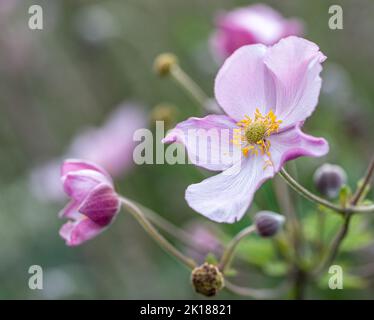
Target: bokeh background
<point>93,56</point>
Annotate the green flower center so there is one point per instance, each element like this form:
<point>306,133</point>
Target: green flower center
<point>255,132</point>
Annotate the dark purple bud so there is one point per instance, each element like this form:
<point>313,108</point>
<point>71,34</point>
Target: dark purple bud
<point>329,178</point>
<point>268,223</point>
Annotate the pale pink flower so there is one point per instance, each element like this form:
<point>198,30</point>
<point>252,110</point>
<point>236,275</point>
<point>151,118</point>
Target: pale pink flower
<point>94,202</point>
<point>267,93</point>
<point>111,145</point>
<point>250,25</point>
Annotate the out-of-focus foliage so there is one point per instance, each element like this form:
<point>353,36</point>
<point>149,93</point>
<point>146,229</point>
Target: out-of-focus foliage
<point>93,55</point>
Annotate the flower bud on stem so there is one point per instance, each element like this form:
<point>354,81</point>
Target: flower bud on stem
<point>335,246</point>
<point>167,64</point>
<point>316,199</point>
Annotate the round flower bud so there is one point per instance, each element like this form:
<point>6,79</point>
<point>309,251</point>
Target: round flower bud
<point>268,223</point>
<point>329,178</point>
<point>166,113</point>
<point>164,62</point>
<point>207,279</point>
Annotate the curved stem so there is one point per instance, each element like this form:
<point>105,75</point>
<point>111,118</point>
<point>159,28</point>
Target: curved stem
<point>307,194</point>
<point>167,226</point>
<point>255,293</point>
<point>148,227</point>
<point>361,190</point>
<point>184,80</point>
<point>314,198</point>
<point>336,244</point>
<point>229,251</point>
<point>347,220</point>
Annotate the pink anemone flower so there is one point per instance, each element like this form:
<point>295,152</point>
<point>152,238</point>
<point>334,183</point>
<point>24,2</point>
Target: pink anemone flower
<point>266,93</point>
<point>253,24</point>
<point>93,204</point>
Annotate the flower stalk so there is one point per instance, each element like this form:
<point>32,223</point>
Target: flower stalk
<point>151,230</point>
<point>229,252</point>
<point>347,220</point>
<point>316,199</point>
<point>186,82</point>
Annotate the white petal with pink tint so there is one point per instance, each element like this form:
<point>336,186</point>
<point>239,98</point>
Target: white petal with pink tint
<point>244,83</point>
<point>78,184</point>
<point>72,165</point>
<point>213,153</point>
<point>226,197</point>
<point>295,64</point>
<point>293,143</point>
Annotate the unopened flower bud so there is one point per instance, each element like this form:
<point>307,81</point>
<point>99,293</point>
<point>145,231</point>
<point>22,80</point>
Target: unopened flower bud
<point>329,178</point>
<point>166,113</point>
<point>207,279</point>
<point>164,62</point>
<point>268,223</point>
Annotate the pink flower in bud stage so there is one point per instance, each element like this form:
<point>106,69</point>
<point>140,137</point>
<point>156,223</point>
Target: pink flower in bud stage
<point>94,202</point>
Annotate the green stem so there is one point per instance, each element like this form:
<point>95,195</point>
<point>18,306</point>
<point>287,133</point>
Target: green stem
<point>361,190</point>
<point>307,194</point>
<point>347,220</point>
<point>167,226</point>
<point>255,293</point>
<point>185,81</point>
<point>148,227</point>
<point>314,198</point>
<point>229,251</point>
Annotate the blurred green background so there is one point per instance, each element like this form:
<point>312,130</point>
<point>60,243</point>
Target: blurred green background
<point>93,55</point>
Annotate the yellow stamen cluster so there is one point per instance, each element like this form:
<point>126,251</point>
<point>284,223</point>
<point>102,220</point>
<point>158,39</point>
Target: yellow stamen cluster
<point>251,133</point>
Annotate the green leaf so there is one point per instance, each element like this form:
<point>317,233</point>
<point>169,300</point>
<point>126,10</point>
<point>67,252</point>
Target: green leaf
<point>211,258</point>
<point>231,272</point>
<point>345,194</point>
<point>256,250</point>
<point>276,268</point>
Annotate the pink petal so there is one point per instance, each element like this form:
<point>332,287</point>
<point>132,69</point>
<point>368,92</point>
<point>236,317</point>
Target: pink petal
<point>293,143</point>
<point>250,25</point>
<point>72,165</point>
<point>244,83</point>
<point>226,196</point>
<point>70,210</point>
<point>111,145</point>
<point>101,205</point>
<point>214,153</point>
<point>295,64</point>
<point>77,184</point>
<point>75,233</point>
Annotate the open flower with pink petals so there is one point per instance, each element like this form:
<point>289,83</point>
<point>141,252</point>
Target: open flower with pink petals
<point>250,25</point>
<point>94,202</point>
<point>267,94</point>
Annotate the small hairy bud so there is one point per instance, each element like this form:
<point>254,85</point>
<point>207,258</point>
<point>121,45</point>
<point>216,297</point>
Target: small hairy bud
<point>207,279</point>
<point>329,178</point>
<point>164,62</point>
<point>268,223</point>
